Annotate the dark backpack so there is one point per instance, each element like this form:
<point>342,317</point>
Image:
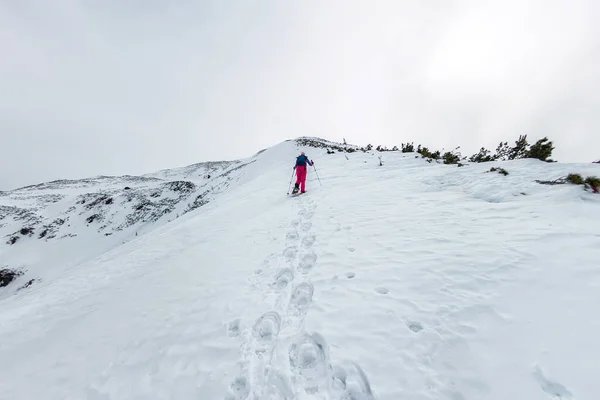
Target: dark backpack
<point>301,160</point>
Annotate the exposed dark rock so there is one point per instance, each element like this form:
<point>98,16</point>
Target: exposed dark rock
<point>27,284</point>
<point>8,275</point>
<point>26,231</point>
<point>92,218</point>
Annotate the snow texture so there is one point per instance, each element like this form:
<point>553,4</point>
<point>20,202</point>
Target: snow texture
<point>411,280</point>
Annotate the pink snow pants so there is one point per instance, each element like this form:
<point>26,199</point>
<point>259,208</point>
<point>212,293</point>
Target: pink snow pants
<point>301,177</point>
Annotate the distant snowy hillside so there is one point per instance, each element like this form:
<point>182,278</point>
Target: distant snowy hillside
<point>93,210</point>
<point>391,278</point>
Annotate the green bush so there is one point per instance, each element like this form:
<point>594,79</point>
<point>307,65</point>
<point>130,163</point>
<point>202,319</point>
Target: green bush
<point>575,179</point>
<point>593,182</point>
<point>426,153</point>
<point>408,147</point>
<point>520,149</point>
<point>451,158</point>
<point>542,150</point>
<point>483,156</point>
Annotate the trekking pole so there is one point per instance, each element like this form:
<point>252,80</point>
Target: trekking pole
<point>291,179</point>
<point>317,175</point>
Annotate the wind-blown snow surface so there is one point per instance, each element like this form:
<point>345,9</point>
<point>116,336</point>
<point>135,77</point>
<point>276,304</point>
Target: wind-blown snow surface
<point>403,281</point>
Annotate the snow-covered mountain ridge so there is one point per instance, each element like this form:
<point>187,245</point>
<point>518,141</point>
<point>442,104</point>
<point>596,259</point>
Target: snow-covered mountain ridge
<point>397,278</point>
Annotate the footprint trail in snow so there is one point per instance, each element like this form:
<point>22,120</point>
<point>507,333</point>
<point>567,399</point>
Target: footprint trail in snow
<point>307,370</point>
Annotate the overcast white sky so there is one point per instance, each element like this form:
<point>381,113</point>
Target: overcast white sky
<point>128,87</point>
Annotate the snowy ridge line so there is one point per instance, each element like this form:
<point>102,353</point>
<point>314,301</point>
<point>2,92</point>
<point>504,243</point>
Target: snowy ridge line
<point>307,370</point>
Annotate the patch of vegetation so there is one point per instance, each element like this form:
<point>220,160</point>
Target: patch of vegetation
<point>451,158</point>
<point>321,144</point>
<point>426,153</point>
<point>559,181</point>
<point>180,186</point>
<point>408,147</point>
<point>541,150</point>
<point>575,179</point>
<point>483,156</point>
<point>591,182</point>
<point>594,183</point>
<point>499,170</point>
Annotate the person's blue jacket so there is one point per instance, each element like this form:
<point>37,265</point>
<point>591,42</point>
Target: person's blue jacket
<point>302,160</point>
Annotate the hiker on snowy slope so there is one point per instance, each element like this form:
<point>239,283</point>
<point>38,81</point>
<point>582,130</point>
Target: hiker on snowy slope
<point>300,168</point>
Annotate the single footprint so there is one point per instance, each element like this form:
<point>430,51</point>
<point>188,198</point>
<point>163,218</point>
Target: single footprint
<point>309,240</point>
<point>239,388</point>
<point>306,226</point>
<point>290,253</point>
<point>350,275</point>
<point>301,298</point>
<point>277,386</point>
<point>309,215</point>
<point>265,331</point>
<point>234,328</point>
<point>554,389</point>
<point>351,249</point>
<point>352,381</point>
<point>382,290</point>
<point>283,278</point>
<point>292,236</point>
<point>414,326</point>
<point>307,262</point>
<point>309,361</point>
<point>295,223</point>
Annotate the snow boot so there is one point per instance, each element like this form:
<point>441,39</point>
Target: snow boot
<point>296,189</point>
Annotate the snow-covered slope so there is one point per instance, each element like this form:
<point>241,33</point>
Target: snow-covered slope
<point>53,226</point>
<point>410,280</point>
